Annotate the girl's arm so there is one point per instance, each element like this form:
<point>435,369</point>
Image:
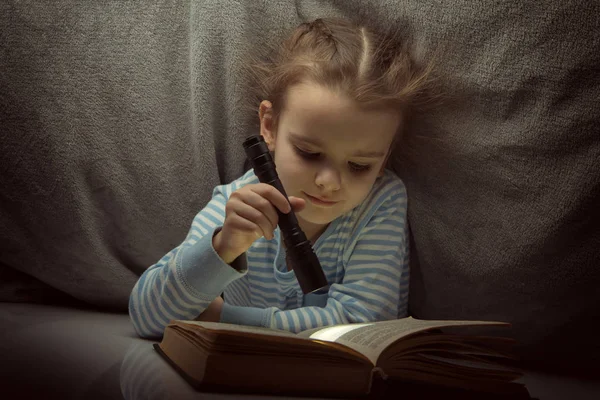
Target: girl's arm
<point>183,283</point>
<point>374,287</point>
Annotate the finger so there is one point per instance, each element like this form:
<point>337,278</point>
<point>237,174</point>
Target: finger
<point>257,217</point>
<point>241,224</point>
<point>262,210</point>
<point>263,205</point>
<point>274,196</point>
<point>297,203</point>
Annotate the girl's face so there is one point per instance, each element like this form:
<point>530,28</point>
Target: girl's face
<point>327,150</point>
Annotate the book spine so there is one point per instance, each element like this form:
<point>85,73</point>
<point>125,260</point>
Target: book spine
<point>380,372</point>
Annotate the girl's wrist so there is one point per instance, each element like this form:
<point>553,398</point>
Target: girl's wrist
<point>221,249</point>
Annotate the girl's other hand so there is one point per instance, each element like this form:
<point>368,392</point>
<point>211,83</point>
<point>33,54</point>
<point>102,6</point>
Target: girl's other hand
<point>250,214</point>
<point>212,312</point>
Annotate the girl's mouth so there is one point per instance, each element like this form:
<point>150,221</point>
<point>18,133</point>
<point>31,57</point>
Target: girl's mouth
<point>319,201</point>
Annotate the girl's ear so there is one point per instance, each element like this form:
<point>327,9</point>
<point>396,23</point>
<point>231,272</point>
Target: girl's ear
<point>267,125</point>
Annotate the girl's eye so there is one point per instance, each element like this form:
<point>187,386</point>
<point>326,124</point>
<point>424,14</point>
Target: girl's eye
<point>359,167</point>
<point>306,154</point>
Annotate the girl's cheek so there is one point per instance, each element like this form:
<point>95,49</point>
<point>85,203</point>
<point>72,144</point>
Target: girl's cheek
<point>302,162</point>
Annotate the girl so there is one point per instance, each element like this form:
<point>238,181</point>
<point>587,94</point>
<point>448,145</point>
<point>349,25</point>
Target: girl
<point>334,99</point>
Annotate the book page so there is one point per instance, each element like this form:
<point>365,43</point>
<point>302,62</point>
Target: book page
<point>221,326</point>
<point>293,340</point>
<point>371,339</point>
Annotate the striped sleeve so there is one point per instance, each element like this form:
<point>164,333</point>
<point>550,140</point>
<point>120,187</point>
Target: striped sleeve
<point>375,283</point>
<point>184,282</point>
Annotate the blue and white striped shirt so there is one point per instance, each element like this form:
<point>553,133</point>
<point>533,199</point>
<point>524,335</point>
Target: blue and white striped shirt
<point>364,255</point>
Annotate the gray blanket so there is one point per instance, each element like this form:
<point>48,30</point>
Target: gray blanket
<point>117,119</point>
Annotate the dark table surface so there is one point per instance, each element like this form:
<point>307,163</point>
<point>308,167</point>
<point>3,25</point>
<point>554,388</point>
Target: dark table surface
<point>73,353</point>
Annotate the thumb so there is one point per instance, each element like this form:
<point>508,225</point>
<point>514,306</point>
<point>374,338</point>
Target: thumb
<point>297,203</point>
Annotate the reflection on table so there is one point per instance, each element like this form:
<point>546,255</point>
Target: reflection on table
<point>145,375</point>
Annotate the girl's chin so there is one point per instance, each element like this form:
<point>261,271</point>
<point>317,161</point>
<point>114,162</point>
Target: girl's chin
<point>315,218</point>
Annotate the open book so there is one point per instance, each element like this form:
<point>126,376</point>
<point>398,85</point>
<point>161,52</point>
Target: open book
<point>340,360</point>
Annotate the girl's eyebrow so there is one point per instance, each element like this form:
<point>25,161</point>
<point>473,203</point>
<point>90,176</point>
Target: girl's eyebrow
<point>317,142</point>
<point>300,138</point>
<point>369,154</point>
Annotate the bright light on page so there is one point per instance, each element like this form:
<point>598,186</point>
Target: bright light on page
<point>333,333</point>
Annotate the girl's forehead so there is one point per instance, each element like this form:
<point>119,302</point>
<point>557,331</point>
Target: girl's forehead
<point>318,100</point>
<point>314,110</point>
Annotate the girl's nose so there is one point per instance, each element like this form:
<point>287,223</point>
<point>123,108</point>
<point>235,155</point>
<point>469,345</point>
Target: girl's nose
<point>328,179</point>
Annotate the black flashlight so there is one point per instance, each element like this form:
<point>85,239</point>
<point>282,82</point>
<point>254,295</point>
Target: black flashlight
<point>300,254</point>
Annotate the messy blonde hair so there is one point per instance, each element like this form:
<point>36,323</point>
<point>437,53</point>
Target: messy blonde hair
<point>372,68</point>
